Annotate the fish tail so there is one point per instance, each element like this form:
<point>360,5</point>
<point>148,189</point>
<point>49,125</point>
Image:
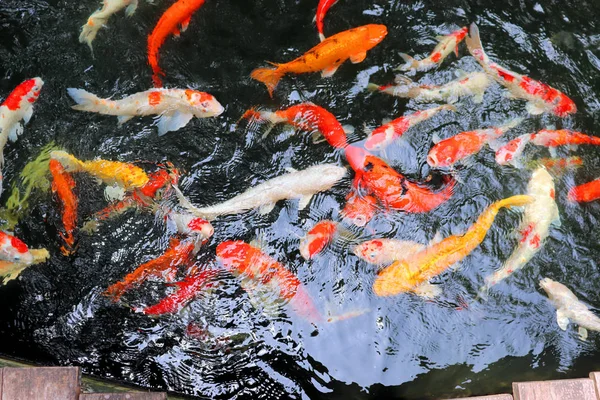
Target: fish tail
<point>473,41</point>
<point>269,76</point>
<point>514,201</point>
<point>86,101</point>
<point>68,161</point>
<point>321,36</point>
<point>410,63</point>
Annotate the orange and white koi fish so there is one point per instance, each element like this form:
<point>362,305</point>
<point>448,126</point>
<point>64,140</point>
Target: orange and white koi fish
<point>540,97</point>
<point>125,175</point>
<point>359,209</point>
<point>322,8</point>
<point>17,106</point>
<point>308,117</point>
<point>63,185</point>
<point>470,85</point>
<point>381,137</point>
<point>15,256</point>
<point>510,152</point>
<point>317,238</point>
<point>556,164</point>
<point>447,44</point>
<point>174,107</point>
<point>585,193</point>
<point>385,251</point>
<point>393,189</point>
<point>413,272</point>
<point>535,226</point>
<point>327,56</point>
<point>175,19</point>
<point>448,152</point>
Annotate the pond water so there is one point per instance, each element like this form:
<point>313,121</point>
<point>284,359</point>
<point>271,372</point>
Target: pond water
<point>403,346</point>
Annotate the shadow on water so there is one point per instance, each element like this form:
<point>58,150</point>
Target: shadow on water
<point>403,347</point>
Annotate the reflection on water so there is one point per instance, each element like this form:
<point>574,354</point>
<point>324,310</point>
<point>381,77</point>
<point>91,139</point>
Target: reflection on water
<point>222,345</point>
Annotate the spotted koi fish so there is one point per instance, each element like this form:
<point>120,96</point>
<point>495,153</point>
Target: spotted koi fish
<point>447,44</point>
<point>15,256</point>
<point>556,164</point>
<point>322,8</point>
<point>359,210</point>
<point>174,107</point>
<point>317,238</point>
<point>540,97</point>
<point>385,251</point>
<point>327,56</point>
<point>63,185</point>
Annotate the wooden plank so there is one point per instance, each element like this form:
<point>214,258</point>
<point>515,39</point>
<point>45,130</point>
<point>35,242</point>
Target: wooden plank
<point>595,377</point>
<point>564,389</point>
<point>123,396</point>
<point>41,383</point>
<point>1,374</point>
<point>490,397</point>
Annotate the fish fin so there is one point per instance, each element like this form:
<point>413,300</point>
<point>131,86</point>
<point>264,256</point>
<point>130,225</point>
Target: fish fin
<point>15,131</point>
<point>460,73</point>
<point>409,62</point>
<point>513,123</point>
<point>553,152</point>
<point>304,200</point>
<point>317,137</point>
<point>185,23</point>
<point>562,319</point>
<point>269,76</point>
<point>556,221</point>
<point>329,71</point>
<point>185,202</point>
<point>495,144</point>
<point>373,87</point>
<point>477,98</point>
<point>172,122</point>
<point>321,37</point>
<point>386,121</point>
<point>403,80</point>
<point>358,57</point>
<point>427,290</point>
<point>456,51</point>
<point>509,96</point>
<point>86,101</point>
<point>435,138</point>
<point>534,109</point>
<point>121,119</point>
<point>583,333</point>
<point>440,38</point>
<point>131,8</point>
<point>266,208</point>
<point>27,115</point>
<point>176,32</point>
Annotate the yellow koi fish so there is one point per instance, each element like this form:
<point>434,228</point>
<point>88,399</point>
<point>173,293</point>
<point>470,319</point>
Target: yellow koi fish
<point>413,272</point>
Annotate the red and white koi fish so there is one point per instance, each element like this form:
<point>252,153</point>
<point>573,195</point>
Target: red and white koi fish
<point>308,117</point>
<point>17,106</point>
<point>509,153</point>
<point>322,8</point>
<point>540,97</point>
<point>359,210</point>
<point>447,44</point>
<point>63,185</point>
<point>535,226</point>
<point>318,238</point>
<point>448,152</point>
<point>381,137</point>
<point>393,189</point>
<point>386,251</point>
<point>15,256</point>
<point>473,84</point>
<point>174,20</point>
<point>175,107</point>
<point>191,226</point>
<point>585,193</point>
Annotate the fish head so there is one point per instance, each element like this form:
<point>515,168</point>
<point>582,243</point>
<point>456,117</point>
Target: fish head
<point>510,151</point>
<point>370,251</point>
<point>550,287</point>
<point>356,157</point>
<point>203,104</point>
<point>201,228</point>
<point>35,87</point>
<point>360,210</point>
<point>14,250</point>
<point>376,33</point>
<point>563,105</point>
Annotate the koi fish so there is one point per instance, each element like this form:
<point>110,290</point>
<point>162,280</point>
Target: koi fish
<point>585,193</point>
<point>448,152</point>
<point>174,107</point>
<point>163,267</point>
<point>327,56</point>
<point>16,107</point>
<point>127,176</point>
<point>540,97</point>
<point>385,251</point>
<point>296,184</point>
<point>537,218</point>
<point>317,238</point>
<point>322,8</point>
<point>554,164</point>
<point>175,19</point>
<point>15,256</point>
<point>570,308</point>
<point>414,272</point>
<point>359,209</point>
<point>508,153</point>
<point>473,84</point>
<point>446,45</point>
<point>63,185</point>
<point>308,117</point>
<point>381,137</point>
<point>393,189</point>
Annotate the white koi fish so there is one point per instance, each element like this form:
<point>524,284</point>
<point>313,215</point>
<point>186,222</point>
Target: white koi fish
<point>386,251</point>
<point>473,84</point>
<point>15,256</point>
<point>537,218</point>
<point>446,45</point>
<point>540,97</point>
<point>175,107</point>
<point>570,308</point>
<point>296,184</point>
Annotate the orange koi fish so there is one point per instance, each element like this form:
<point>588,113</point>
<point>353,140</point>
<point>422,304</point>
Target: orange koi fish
<point>446,45</point>
<point>381,137</point>
<point>322,8</point>
<point>584,193</point>
<point>393,189</point>
<point>308,117</point>
<point>63,185</point>
<point>317,238</point>
<point>359,209</point>
<point>179,14</point>
<point>448,152</point>
<point>540,97</point>
<point>327,56</point>
<point>413,272</point>
<point>508,153</point>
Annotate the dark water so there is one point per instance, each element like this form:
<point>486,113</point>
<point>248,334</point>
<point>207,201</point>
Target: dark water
<point>404,347</point>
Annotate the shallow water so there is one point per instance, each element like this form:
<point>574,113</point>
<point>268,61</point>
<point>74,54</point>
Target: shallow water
<point>403,347</point>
